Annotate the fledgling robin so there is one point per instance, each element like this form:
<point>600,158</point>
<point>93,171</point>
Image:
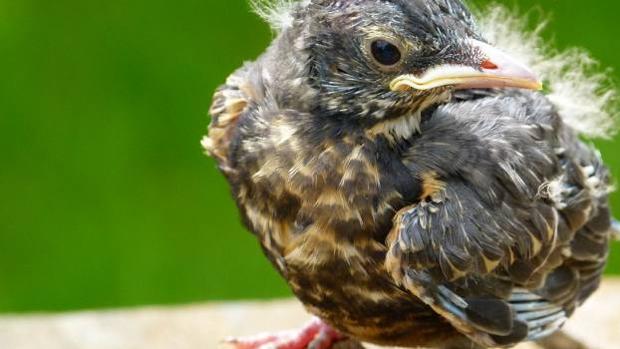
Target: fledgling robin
<point>410,181</point>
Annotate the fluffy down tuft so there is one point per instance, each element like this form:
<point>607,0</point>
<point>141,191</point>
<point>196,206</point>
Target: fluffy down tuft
<point>277,13</point>
<point>584,96</point>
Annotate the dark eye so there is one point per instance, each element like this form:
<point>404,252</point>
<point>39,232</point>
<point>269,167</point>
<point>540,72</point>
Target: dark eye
<point>385,53</point>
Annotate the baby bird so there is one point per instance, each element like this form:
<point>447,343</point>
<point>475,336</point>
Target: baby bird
<point>409,180</point>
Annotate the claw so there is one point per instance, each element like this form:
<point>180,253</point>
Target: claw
<point>315,335</point>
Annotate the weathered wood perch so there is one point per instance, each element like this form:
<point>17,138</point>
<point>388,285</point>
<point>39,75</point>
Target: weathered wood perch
<point>597,324</point>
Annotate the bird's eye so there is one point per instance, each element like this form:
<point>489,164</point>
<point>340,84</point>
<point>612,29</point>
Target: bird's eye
<point>385,52</point>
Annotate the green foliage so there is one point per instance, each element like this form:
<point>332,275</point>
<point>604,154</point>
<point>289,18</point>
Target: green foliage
<point>107,199</point>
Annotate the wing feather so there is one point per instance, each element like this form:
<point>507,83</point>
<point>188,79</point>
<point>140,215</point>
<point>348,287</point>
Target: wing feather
<point>228,104</point>
<point>516,236</point>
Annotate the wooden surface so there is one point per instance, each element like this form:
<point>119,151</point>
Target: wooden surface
<point>203,326</point>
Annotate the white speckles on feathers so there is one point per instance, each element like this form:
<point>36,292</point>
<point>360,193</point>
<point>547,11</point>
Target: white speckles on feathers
<point>555,190</point>
<point>583,96</point>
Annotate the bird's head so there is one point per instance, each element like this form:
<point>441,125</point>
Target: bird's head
<point>375,60</point>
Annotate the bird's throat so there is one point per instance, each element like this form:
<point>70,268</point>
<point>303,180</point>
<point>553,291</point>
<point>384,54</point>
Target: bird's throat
<point>405,126</point>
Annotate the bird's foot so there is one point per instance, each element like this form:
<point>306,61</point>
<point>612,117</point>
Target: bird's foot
<point>315,335</point>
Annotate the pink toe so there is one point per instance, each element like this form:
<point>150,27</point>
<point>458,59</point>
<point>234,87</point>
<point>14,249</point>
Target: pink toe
<point>315,335</point>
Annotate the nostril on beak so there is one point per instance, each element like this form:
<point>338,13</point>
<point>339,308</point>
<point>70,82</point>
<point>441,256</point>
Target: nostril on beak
<point>488,65</point>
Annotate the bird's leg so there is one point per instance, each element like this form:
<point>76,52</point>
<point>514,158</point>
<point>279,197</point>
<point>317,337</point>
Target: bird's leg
<point>314,335</point>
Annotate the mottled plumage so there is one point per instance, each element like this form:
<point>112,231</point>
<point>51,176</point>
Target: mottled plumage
<point>402,209</point>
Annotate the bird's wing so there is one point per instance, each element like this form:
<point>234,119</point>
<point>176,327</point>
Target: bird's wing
<point>228,104</point>
<point>513,235</point>
<point>447,251</point>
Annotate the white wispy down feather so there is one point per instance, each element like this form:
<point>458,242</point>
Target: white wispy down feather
<point>582,93</point>
<point>277,13</point>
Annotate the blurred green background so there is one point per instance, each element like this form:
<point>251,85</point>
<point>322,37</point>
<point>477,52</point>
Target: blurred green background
<point>106,197</point>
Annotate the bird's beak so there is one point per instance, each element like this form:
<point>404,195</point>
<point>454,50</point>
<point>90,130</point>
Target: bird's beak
<point>497,70</point>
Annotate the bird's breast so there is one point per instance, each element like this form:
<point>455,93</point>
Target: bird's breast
<point>322,216</point>
<point>310,200</point>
